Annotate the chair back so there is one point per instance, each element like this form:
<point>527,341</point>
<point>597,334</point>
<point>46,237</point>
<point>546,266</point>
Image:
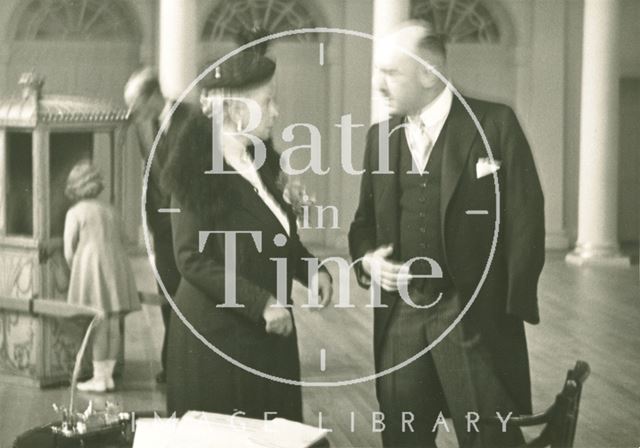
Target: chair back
<point>559,420</point>
<point>567,407</point>
<point>562,417</point>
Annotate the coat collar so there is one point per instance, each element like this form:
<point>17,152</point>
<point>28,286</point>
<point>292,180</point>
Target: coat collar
<point>461,133</point>
<point>389,188</point>
<point>249,200</point>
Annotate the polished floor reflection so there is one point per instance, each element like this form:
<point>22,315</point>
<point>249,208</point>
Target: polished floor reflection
<point>587,313</point>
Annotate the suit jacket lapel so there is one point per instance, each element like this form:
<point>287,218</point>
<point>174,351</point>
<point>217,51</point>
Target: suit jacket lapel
<point>388,203</point>
<point>460,135</point>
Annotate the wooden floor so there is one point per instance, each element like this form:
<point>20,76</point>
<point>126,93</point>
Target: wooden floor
<point>587,313</point>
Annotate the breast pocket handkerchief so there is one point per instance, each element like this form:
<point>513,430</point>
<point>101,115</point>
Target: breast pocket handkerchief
<point>486,166</point>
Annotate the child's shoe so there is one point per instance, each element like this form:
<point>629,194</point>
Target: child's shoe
<point>93,385</point>
<point>108,373</point>
<point>102,381</point>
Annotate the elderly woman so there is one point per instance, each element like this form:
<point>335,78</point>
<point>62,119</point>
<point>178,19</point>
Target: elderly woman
<point>257,334</point>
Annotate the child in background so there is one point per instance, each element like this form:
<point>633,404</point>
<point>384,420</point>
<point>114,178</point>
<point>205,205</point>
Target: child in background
<point>101,276</point>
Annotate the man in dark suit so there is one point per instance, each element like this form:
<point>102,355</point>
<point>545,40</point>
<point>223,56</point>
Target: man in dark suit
<point>434,202</point>
<point>148,109</point>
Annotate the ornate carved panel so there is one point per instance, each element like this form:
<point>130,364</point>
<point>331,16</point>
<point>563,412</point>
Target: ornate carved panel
<point>17,274</point>
<point>63,338</point>
<point>58,282</point>
<point>18,344</point>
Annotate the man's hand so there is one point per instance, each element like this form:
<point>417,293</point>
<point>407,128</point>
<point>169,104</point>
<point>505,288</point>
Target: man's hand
<point>278,318</point>
<point>388,274</point>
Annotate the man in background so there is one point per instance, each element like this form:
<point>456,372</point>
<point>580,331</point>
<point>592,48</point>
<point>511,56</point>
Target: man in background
<point>436,200</point>
<point>148,109</point>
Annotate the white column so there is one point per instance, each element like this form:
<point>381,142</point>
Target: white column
<point>598,206</point>
<point>3,182</point>
<point>386,15</point>
<point>178,46</point>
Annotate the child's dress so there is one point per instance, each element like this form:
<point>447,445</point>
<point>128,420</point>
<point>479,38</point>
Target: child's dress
<point>101,275</point>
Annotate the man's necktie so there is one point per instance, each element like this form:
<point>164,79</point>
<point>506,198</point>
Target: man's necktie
<point>422,148</point>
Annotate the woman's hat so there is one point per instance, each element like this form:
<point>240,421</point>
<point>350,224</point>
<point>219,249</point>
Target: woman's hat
<point>84,181</point>
<point>245,70</point>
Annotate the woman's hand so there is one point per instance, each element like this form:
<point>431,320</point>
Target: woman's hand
<point>278,318</point>
<point>320,291</point>
<point>325,288</point>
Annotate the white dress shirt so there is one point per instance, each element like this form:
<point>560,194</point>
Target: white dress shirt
<point>423,129</point>
<point>237,157</point>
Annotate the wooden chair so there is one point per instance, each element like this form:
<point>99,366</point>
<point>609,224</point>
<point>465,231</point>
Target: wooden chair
<point>561,418</point>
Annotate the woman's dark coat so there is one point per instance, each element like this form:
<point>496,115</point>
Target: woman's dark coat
<point>198,378</point>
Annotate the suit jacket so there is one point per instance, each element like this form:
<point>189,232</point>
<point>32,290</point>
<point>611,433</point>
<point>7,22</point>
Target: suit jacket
<point>145,134</point>
<point>157,197</point>
<point>511,284</point>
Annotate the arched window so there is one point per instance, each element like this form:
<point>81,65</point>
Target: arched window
<point>463,21</point>
<point>230,18</point>
<point>76,20</point>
